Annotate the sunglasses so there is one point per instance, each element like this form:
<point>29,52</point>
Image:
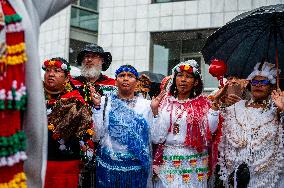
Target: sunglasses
<point>260,82</point>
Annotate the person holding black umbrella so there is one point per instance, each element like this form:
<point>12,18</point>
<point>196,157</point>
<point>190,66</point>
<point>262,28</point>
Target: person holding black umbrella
<point>251,148</point>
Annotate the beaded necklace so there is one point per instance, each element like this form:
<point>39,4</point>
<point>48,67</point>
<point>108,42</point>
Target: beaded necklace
<point>130,102</point>
<point>181,108</point>
<point>12,95</point>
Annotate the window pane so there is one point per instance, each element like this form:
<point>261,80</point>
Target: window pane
<point>161,59</point>
<point>84,19</point>
<point>162,1</point>
<point>91,4</point>
<point>208,80</point>
<point>170,48</point>
<point>166,56</point>
<point>75,47</point>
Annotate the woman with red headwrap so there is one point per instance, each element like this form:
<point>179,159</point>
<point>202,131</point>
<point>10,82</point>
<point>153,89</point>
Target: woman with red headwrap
<point>69,120</point>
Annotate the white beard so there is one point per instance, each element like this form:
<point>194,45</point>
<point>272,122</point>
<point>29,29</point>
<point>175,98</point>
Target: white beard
<point>90,72</point>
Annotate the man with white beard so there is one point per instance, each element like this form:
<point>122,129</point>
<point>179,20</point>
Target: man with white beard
<point>94,60</point>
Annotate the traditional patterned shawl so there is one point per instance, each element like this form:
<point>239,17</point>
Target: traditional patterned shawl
<point>129,128</point>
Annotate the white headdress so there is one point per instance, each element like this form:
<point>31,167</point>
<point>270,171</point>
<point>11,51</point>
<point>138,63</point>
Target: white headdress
<point>264,69</point>
<point>190,66</point>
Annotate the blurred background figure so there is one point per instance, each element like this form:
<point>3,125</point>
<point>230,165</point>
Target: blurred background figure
<point>144,86</point>
<point>149,84</point>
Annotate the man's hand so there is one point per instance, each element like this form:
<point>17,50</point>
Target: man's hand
<point>96,97</point>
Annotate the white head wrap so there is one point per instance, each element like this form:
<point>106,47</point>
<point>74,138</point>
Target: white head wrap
<point>192,63</point>
<point>266,70</point>
<point>185,66</point>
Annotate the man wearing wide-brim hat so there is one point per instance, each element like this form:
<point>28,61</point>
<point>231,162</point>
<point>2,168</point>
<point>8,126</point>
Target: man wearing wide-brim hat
<point>94,60</point>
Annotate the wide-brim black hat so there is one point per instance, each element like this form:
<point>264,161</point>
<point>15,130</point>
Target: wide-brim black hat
<point>107,58</point>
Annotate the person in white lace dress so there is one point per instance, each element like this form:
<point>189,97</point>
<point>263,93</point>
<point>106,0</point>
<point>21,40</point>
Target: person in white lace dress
<point>251,148</point>
<point>184,131</point>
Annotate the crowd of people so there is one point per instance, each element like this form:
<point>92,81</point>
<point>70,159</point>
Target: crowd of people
<point>103,133</point>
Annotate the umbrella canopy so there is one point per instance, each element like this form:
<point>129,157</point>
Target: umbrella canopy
<point>154,77</point>
<point>247,39</point>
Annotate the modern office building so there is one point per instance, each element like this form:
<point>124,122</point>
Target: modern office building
<point>68,31</point>
<point>150,34</point>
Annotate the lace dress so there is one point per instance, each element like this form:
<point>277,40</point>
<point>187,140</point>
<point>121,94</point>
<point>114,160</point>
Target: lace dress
<point>253,136</point>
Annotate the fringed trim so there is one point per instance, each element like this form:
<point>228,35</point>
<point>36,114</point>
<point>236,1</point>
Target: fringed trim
<point>11,160</point>
<point>12,18</point>
<point>117,168</point>
<point>13,99</point>
<point>116,178</point>
<point>13,144</point>
<point>16,48</point>
<point>267,162</point>
<point>15,60</point>
<point>19,181</point>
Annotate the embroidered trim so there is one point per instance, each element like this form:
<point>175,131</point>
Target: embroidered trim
<point>185,157</point>
<point>117,168</point>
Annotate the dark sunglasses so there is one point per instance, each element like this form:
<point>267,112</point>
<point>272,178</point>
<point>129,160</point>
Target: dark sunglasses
<point>260,82</point>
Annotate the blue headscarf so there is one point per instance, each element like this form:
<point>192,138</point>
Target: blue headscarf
<point>126,68</point>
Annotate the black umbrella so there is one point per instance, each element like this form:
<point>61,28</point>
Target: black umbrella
<point>247,39</point>
<point>154,77</point>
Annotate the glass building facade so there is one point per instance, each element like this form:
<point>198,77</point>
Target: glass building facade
<point>170,48</point>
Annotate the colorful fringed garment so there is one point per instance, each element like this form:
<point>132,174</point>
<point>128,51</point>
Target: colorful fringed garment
<point>123,158</point>
<point>187,150</point>
<point>12,97</point>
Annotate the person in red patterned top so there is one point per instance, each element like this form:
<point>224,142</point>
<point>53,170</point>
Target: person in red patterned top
<point>69,121</point>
